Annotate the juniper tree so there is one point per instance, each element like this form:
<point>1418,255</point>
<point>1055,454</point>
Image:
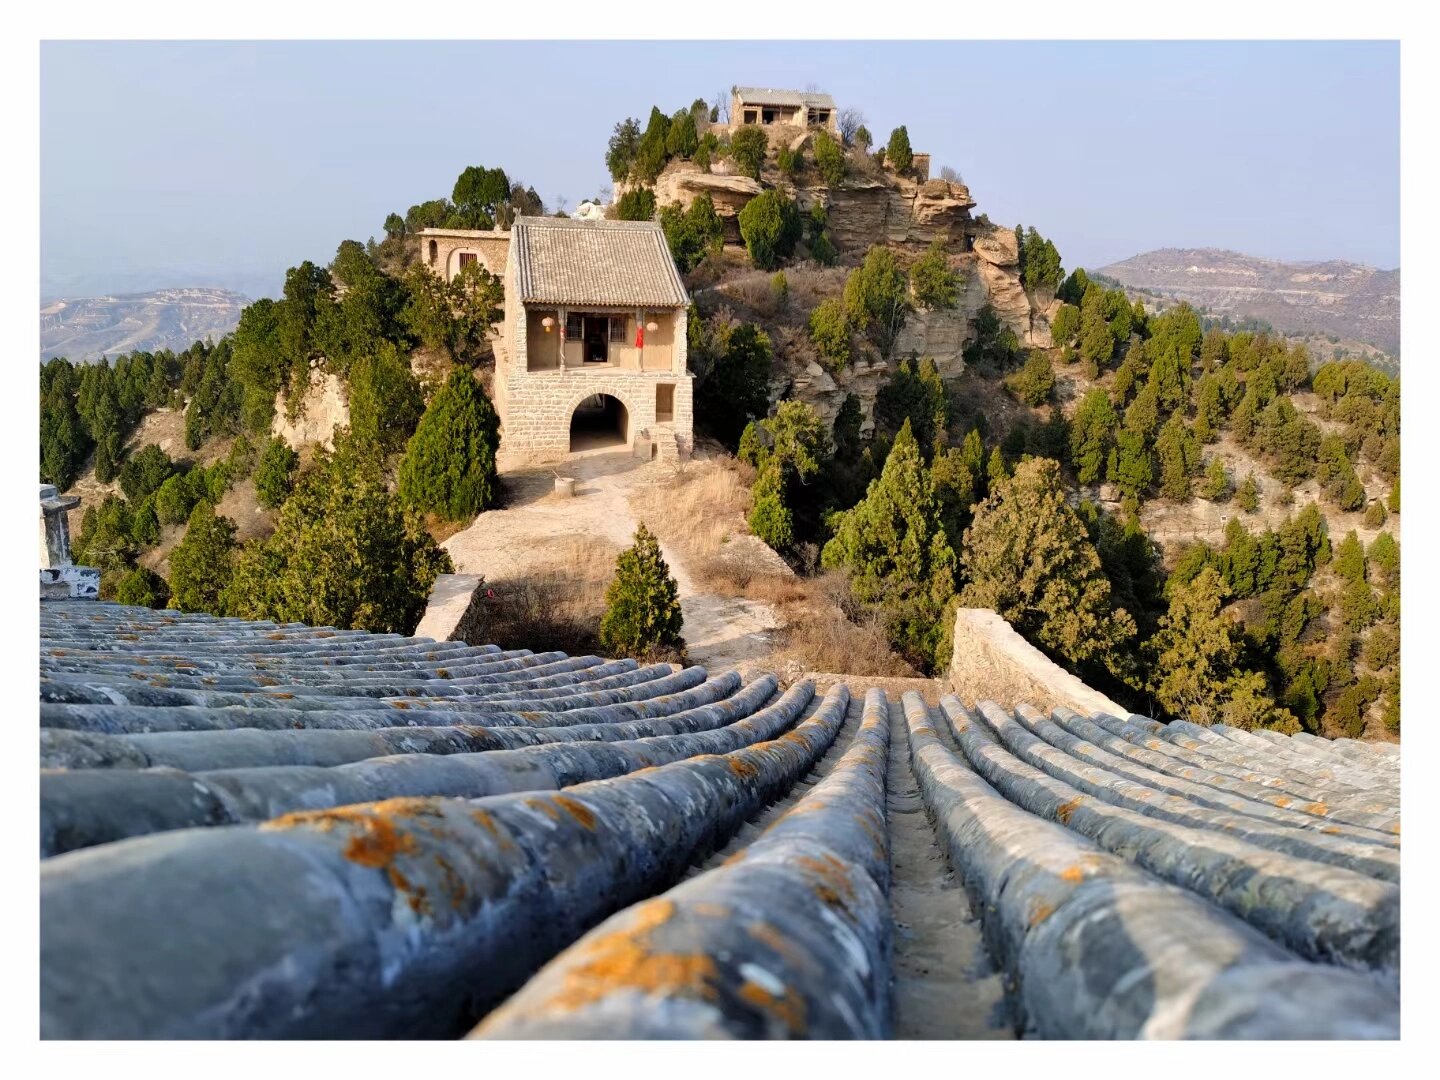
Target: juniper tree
<point>877,297</point>
<point>1196,662</point>
<point>1349,561</point>
<point>1384,559</point>
<point>449,463</point>
<point>203,562</point>
<point>1248,497</point>
<point>1217,482</point>
<point>345,552</point>
<point>275,473</point>
<point>1028,557</point>
<point>1092,434</point>
<point>894,547</point>
<point>642,603</point>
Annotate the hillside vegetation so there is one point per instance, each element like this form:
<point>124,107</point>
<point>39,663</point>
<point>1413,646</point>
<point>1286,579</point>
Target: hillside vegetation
<point>934,413</point>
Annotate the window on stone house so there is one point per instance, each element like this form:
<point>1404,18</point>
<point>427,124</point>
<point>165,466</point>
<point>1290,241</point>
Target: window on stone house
<point>617,328</point>
<point>769,116</point>
<point>466,258</point>
<point>664,402</point>
<point>574,326</point>
<point>751,116</point>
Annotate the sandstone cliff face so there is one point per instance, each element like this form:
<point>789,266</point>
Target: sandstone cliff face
<point>323,408</point>
<point>892,210</point>
<point>683,181</point>
<point>997,266</point>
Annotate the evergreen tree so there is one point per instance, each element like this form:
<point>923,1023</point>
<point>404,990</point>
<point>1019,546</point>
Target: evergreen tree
<point>637,204</point>
<point>972,453</point>
<point>846,431</point>
<point>1035,380</point>
<point>64,439</point>
<point>345,553</point>
<point>1248,497</point>
<point>914,394</point>
<point>144,471</point>
<point>692,233</point>
<point>682,140</point>
<point>1384,559</point>
<point>1196,662</point>
<point>898,154</point>
<point>1179,454</point>
<point>770,225</point>
<point>1028,557</point>
<point>1217,482</point>
<point>877,298</point>
<point>732,365</point>
<point>275,474</point>
<point>203,562</point>
<point>142,587</point>
<point>893,545</point>
<point>1375,515</point>
<point>1349,561</point>
<point>748,149</point>
<point>934,283</point>
<point>642,604</point>
<point>830,333</point>
<point>449,463</point>
<point>829,159</point>
<point>996,471</point>
<point>385,399</point>
<point>1132,472</point>
<point>770,518</point>
<point>1091,433</point>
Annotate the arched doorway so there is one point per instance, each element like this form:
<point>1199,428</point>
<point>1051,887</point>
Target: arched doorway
<point>599,421</point>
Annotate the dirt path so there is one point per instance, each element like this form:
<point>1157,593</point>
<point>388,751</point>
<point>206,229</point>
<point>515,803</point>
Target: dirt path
<point>720,632</point>
<point>945,986</point>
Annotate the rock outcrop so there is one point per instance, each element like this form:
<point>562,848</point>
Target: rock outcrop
<point>684,181</point>
<point>323,408</point>
<point>893,210</point>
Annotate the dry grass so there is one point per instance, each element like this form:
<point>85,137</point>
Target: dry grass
<point>702,505</point>
<point>824,630</point>
<point>557,606</point>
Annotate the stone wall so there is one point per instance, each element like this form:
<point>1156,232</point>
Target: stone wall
<point>538,407</point>
<point>455,610</point>
<point>991,661</point>
<point>441,250</point>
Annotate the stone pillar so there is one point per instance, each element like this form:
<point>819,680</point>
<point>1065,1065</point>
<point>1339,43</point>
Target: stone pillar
<point>60,578</point>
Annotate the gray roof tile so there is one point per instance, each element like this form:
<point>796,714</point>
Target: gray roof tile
<point>605,263</point>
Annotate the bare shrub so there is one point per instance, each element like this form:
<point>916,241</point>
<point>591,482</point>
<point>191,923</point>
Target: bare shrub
<point>827,631</point>
<point>556,607</point>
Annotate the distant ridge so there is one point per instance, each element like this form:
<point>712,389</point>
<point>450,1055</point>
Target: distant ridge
<point>87,328</point>
<point>1336,298</point>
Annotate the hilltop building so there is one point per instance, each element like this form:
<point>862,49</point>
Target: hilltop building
<point>592,349</point>
<point>782,108</point>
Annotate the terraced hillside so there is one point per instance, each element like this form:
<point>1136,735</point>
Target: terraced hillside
<point>251,830</point>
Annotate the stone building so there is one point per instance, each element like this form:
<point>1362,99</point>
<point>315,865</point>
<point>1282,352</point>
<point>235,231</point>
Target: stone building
<point>592,349</point>
<point>783,109</point>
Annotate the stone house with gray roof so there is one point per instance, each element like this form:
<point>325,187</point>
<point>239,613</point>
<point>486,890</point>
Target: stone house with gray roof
<point>592,349</point>
<point>782,108</point>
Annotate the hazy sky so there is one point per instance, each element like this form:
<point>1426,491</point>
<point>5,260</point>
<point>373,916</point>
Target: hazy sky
<point>224,163</point>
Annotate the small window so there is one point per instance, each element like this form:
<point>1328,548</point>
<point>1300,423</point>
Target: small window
<point>664,402</point>
<point>434,251</point>
<point>617,328</point>
<point>769,116</point>
<point>466,258</point>
<point>751,116</point>
<point>574,326</point>
<point>822,116</point>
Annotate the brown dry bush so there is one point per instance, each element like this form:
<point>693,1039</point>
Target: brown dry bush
<point>557,608</point>
<point>825,630</point>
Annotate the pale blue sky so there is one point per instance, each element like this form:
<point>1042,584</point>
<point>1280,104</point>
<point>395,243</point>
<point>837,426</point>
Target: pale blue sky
<point>224,163</point>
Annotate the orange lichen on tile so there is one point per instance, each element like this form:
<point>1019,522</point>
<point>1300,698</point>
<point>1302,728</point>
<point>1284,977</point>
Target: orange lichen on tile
<point>625,960</point>
<point>834,886</point>
<point>578,810</point>
<point>1317,808</point>
<point>1064,810</point>
<point>741,767</point>
<point>789,1009</point>
<point>1040,912</point>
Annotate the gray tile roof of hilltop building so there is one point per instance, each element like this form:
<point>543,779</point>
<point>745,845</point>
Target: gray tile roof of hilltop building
<point>760,95</point>
<point>603,263</point>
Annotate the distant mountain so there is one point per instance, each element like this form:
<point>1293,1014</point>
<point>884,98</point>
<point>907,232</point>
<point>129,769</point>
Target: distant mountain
<point>87,328</point>
<point>1334,299</point>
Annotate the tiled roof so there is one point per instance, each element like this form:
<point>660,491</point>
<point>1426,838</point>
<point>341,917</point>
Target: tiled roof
<point>605,263</point>
<point>759,95</point>
<point>260,830</point>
